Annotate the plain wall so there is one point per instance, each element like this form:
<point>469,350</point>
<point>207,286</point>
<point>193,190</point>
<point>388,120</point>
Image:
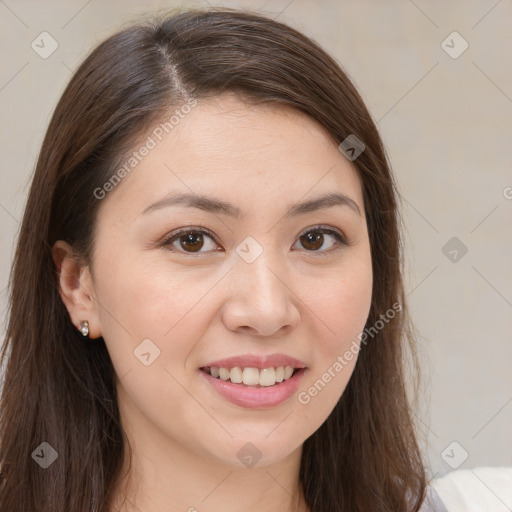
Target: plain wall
<point>446,123</point>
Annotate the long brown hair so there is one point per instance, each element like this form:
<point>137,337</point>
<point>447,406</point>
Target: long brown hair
<point>61,390</point>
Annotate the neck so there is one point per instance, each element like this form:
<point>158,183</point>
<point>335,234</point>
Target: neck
<point>166,476</point>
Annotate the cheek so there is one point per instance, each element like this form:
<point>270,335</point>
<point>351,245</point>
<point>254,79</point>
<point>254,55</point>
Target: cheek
<point>341,312</point>
<point>148,302</point>
<point>139,305</point>
<point>342,303</point>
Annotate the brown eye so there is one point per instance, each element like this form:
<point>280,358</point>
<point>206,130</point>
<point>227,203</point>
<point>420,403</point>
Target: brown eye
<point>314,239</point>
<point>190,241</point>
<point>193,241</point>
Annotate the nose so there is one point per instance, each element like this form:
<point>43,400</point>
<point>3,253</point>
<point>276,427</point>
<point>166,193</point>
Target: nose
<point>261,300</point>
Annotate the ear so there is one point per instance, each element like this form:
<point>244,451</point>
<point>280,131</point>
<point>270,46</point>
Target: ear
<point>76,288</point>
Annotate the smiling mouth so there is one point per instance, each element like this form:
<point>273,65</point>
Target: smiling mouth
<point>252,377</point>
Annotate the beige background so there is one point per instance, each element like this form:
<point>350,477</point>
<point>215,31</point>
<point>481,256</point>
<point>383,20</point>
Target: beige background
<point>447,126</point>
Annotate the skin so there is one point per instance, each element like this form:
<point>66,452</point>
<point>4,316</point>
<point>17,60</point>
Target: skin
<point>307,301</point>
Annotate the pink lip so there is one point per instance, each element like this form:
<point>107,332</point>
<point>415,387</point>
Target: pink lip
<point>254,361</point>
<point>254,397</point>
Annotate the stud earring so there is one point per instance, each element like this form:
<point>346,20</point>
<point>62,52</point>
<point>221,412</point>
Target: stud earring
<point>84,327</point>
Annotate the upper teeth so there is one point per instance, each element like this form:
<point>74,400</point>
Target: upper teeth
<point>253,376</point>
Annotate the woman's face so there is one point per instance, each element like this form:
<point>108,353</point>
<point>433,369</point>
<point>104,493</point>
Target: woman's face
<point>273,286</point>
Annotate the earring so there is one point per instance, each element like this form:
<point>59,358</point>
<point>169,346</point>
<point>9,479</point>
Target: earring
<point>84,327</point>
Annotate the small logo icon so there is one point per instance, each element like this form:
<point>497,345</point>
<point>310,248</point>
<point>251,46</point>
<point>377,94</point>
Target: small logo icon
<point>249,455</point>
<point>146,352</point>
<point>454,45</point>
<point>45,455</point>
<point>352,147</point>
<point>454,249</point>
<point>44,45</point>
<point>454,455</point>
<point>249,250</point>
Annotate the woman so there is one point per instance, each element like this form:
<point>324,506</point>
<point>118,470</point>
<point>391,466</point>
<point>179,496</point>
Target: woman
<point>207,308</point>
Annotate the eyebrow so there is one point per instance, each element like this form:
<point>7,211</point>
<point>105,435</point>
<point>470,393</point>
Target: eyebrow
<point>217,206</point>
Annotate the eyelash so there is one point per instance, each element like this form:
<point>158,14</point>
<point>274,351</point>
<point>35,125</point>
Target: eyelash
<point>172,237</point>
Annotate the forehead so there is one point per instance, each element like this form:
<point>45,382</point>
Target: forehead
<point>248,154</point>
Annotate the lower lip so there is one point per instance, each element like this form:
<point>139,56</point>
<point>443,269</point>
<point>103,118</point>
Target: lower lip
<point>255,398</point>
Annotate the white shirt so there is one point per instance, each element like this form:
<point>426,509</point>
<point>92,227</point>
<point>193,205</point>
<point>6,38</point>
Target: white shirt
<point>482,489</point>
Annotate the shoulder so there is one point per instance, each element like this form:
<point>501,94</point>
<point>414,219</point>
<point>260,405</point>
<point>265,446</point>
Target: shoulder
<point>474,490</point>
<point>432,502</point>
